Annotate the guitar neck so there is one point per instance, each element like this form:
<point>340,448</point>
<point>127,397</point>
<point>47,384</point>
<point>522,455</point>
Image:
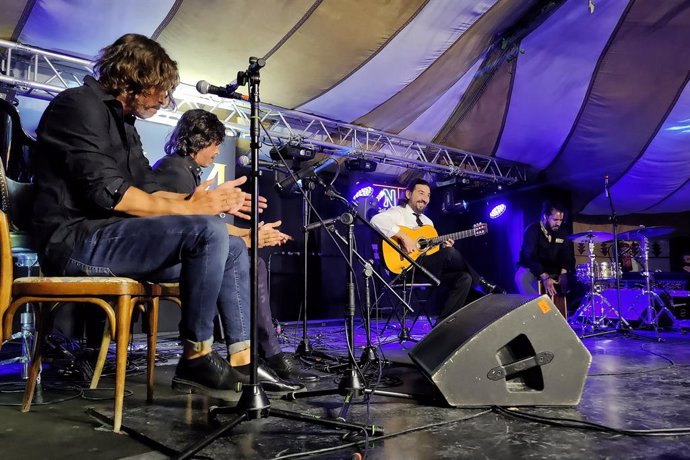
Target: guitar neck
<point>452,236</point>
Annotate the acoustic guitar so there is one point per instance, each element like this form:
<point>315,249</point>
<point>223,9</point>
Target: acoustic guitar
<point>428,242</point>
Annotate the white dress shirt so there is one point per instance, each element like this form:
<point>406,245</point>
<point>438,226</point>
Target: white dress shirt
<point>390,220</point>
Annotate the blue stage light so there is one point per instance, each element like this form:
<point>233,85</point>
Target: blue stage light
<point>497,210</point>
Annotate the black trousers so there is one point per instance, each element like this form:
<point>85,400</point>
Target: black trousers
<point>268,339</point>
<point>457,277</point>
<point>269,345</point>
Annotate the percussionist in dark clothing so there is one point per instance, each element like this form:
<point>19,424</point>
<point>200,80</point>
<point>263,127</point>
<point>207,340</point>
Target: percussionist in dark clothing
<point>546,254</point>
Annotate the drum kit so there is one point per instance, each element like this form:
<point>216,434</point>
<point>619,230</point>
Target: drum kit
<point>595,310</point>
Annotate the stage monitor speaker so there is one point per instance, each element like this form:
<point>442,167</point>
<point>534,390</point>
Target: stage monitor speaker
<point>505,350</point>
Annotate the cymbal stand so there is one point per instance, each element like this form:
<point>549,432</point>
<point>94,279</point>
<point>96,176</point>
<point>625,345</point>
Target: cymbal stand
<point>650,315</point>
<point>588,308</point>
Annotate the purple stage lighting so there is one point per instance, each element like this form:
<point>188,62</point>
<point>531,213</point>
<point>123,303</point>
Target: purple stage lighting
<point>497,210</point>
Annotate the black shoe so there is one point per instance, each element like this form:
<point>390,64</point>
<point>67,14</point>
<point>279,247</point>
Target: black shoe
<point>289,368</point>
<point>270,381</point>
<point>209,375</point>
<point>489,288</point>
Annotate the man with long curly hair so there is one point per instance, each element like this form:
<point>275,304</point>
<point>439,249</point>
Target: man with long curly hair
<point>99,210</point>
<point>193,144</point>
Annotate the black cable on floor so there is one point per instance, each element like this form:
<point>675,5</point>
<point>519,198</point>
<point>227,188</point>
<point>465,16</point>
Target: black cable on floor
<point>671,364</point>
<point>385,436</point>
<point>591,426</point>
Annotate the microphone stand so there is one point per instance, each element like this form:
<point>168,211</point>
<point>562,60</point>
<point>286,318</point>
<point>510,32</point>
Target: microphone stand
<point>305,349</point>
<point>352,384</point>
<point>253,403</point>
<point>622,323</point>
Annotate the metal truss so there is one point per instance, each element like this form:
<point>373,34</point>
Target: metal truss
<point>40,73</point>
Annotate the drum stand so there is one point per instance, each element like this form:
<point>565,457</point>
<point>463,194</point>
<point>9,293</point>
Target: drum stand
<point>588,308</point>
<point>650,316</point>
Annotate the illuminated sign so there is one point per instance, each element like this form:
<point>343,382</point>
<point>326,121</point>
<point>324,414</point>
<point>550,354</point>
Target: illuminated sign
<point>386,196</point>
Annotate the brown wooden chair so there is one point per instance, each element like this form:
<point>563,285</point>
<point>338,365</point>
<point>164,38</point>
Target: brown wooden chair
<point>116,296</point>
<point>165,291</point>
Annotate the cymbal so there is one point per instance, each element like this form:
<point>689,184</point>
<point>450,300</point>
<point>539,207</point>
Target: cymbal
<point>594,237</point>
<point>649,232</point>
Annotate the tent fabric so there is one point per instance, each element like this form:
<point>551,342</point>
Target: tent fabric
<point>575,94</point>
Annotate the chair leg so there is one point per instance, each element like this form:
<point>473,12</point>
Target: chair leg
<point>102,354</point>
<point>151,348</point>
<point>124,315</point>
<point>44,323</point>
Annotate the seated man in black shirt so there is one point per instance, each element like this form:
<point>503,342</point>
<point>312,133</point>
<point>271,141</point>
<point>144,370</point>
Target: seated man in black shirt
<point>546,254</point>
<point>99,210</point>
<point>193,145</point>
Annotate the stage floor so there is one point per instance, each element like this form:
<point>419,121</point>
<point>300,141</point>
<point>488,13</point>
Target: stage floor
<point>634,383</point>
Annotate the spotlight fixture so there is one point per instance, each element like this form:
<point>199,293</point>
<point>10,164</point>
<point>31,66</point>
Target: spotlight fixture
<point>292,152</point>
<point>292,183</point>
<point>496,209</point>
<point>452,203</point>
<point>360,164</point>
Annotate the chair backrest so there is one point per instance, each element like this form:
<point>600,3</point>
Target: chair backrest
<point>6,273</point>
<point>16,198</point>
<point>16,190</point>
<point>15,144</point>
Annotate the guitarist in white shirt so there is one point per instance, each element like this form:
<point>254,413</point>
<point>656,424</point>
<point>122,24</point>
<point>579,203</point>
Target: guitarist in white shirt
<point>448,264</point>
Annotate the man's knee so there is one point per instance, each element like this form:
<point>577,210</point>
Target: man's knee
<point>463,279</point>
<point>213,230</point>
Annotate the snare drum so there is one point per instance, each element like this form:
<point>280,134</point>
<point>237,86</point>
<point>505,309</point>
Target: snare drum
<point>605,270</point>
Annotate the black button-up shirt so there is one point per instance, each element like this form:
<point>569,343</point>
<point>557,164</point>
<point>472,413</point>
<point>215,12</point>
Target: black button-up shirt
<point>88,155</point>
<point>178,174</point>
<point>540,255</point>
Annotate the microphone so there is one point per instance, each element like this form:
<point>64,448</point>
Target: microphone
<point>345,218</point>
<point>333,194</point>
<point>246,162</point>
<point>606,185</point>
<point>255,65</point>
<point>289,185</point>
<point>227,92</point>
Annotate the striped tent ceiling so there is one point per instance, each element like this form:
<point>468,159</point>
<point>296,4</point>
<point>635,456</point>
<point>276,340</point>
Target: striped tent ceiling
<point>578,90</point>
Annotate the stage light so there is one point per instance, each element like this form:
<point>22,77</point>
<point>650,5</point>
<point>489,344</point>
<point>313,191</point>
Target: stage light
<point>292,152</point>
<point>496,210</point>
<point>360,164</point>
<point>452,203</point>
<point>293,183</point>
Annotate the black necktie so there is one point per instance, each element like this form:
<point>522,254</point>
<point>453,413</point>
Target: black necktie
<point>419,221</point>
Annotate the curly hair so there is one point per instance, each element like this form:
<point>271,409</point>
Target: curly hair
<point>135,63</point>
<point>196,130</point>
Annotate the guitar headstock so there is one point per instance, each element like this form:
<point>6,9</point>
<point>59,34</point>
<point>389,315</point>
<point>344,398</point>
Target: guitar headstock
<point>480,228</point>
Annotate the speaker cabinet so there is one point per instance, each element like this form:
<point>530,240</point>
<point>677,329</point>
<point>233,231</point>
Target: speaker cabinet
<point>505,350</point>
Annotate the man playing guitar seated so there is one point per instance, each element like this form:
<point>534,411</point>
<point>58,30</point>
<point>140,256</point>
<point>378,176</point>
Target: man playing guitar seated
<point>448,264</point>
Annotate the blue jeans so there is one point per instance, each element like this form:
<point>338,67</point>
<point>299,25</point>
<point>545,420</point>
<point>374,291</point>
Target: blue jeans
<point>211,267</point>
